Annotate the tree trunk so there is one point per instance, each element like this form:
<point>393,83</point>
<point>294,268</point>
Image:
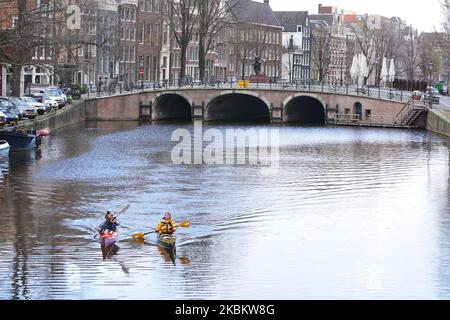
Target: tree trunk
<point>15,80</point>
<point>183,56</point>
<point>202,57</point>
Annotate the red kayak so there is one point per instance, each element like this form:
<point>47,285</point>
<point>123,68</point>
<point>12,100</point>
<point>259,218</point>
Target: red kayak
<point>108,238</point>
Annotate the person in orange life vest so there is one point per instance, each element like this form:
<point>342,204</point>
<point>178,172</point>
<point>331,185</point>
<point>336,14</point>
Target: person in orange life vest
<point>167,225</point>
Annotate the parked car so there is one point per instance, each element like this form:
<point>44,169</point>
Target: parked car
<point>25,109</point>
<point>57,94</point>
<point>2,118</point>
<point>32,102</point>
<point>11,107</point>
<point>434,98</point>
<point>6,108</point>
<point>54,92</point>
<point>49,101</point>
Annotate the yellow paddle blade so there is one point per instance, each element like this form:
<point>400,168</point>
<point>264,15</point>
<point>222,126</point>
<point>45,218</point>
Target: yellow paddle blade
<point>184,260</point>
<point>184,224</point>
<point>138,235</point>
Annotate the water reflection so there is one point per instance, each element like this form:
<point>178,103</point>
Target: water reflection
<point>347,216</point>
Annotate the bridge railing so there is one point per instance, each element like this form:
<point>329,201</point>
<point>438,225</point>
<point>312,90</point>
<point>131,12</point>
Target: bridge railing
<point>360,120</point>
<point>233,84</point>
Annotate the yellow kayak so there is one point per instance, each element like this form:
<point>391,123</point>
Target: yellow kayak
<point>167,240</point>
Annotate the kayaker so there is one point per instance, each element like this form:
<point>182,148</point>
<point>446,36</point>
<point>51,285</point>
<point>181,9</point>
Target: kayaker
<point>110,223</point>
<point>167,225</point>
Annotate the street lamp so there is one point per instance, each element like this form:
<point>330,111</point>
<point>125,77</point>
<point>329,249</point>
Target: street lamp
<point>430,95</point>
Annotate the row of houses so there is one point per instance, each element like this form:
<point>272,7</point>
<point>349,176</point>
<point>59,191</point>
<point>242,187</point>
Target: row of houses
<point>134,45</point>
<point>131,43</point>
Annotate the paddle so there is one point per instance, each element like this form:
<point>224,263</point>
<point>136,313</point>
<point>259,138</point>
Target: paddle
<point>184,224</point>
<point>120,212</point>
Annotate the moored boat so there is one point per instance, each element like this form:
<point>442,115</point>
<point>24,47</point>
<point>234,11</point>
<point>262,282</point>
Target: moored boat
<point>21,139</point>
<point>4,146</point>
<point>108,238</point>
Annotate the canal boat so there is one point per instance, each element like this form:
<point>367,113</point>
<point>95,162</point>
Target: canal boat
<point>4,146</point>
<point>109,238</point>
<point>19,140</point>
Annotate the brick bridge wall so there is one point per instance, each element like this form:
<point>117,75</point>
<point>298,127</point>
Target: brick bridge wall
<point>126,106</point>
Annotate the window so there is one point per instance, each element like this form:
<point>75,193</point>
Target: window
<point>166,35</point>
<point>142,33</point>
<point>155,5</point>
<point>156,34</point>
<point>193,53</point>
<point>148,38</point>
<point>133,34</point>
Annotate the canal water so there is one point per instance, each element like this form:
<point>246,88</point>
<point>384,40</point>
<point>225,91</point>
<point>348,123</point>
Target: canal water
<point>350,213</point>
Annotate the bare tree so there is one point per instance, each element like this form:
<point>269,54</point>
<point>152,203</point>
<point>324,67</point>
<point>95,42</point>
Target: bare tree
<point>40,36</point>
<point>410,54</point>
<point>376,43</point>
<point>213,18</point>
<point>28,32</point>
<point>320,49</point>
<point>182,20</point>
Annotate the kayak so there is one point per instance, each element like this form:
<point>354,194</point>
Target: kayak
<point>167,244</point>
<point>108,238</point>
<point>167,240</point>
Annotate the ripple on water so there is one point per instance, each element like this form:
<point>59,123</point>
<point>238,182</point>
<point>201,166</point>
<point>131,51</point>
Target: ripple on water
<point>345,216</point>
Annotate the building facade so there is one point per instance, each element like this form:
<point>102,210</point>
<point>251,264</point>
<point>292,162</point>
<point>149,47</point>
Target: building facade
<point>296,43</point>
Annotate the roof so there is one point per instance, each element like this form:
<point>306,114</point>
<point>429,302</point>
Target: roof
<point>328,18</point>
<point>291,19</point>
<point>252,11</point>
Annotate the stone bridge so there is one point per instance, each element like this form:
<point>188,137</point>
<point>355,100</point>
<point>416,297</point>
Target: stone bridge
<point>218,104</point>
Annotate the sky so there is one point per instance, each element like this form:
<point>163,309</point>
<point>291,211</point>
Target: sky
<point>424,15</point>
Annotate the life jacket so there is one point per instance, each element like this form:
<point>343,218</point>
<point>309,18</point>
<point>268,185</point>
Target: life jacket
<point>109,226</point>
<point>166,226</point>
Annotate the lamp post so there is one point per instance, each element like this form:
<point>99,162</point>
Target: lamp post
<point>430,95</point>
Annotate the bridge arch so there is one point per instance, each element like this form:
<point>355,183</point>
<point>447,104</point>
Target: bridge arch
<point>244,106</point>
<point>172,105</point>
<point>304,109</point>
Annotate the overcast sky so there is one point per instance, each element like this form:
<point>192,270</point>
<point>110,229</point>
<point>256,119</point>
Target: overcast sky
<point>424,15</point>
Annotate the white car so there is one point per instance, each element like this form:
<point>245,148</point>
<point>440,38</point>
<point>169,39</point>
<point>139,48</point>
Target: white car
<point>57,94</point>
<point>50,101</point>
<point>32,102</point>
